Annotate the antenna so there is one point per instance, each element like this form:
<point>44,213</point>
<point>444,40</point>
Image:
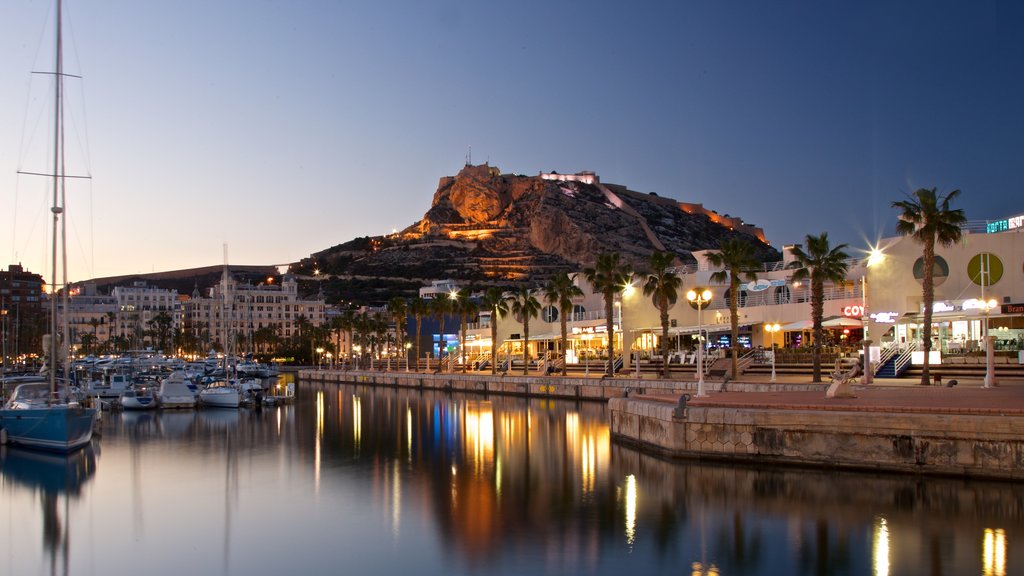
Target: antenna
<point>469,157</point>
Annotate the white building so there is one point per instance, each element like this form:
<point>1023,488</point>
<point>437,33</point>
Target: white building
<point>233,312</point>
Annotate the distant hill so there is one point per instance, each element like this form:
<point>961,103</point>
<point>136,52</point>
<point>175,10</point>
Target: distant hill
<point>185,281</point>
<point>491,228</point>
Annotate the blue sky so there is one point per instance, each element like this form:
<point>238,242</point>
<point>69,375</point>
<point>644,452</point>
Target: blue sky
<point>282,128</point>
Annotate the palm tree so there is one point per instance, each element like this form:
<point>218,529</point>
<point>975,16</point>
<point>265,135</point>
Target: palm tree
<point>399,310</point>
<point>819,264</point>
<point>495,300</point>
<point>736,259</point>
<point>928,217</point>
<point>524,305</point>
<point>419,308</point>
<point>609,276</point>
<point>440,306</point>
<point>559,291</point>
<point>465,308</point>
<point>662,285</point>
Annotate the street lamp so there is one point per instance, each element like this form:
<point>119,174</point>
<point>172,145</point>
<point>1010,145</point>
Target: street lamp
<point>772,329</point>
<point>990,342</point>
<point>319,358</point>
<point>700,297</point>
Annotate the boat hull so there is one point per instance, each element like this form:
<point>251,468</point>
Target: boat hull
<point>57,428</point>
<point>220,398</point>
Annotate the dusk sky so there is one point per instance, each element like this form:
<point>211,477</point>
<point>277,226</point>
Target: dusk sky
<point>281,128</point>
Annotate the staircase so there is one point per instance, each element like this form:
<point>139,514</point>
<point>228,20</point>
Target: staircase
<point>898,361</point>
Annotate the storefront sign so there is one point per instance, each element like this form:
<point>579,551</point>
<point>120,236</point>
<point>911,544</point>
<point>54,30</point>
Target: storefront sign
<point>855,311</point>
<point>1012,309</point>
<point>884,317</point>
<point>1004,225</point>
<point>758,286</point>
<point>974,304</point>
<point>942,307</point>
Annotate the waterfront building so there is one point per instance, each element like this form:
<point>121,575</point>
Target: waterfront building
<point>22,316</point>
<point>142,308</point>
<point>987,265</point>
<point>91,314</point>
<point>234,313</point>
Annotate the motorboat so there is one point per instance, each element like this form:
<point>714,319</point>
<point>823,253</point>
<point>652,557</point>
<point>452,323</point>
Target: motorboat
<point>221,394</point>
<point>176,391</point>
<point>139,398</point>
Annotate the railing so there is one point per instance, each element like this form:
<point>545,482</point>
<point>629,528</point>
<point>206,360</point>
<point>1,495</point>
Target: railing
<point>904,358</point>
<point>888,351</point>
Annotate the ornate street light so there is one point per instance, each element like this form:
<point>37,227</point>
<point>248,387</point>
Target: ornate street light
<point>701,297</point>
<point>772,329</point>
<point>990,341</point>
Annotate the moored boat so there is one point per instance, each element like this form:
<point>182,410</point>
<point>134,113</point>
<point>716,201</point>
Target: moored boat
<point>139,398</point>
<point>221,394</point>
<point>176,391</point>
<point>35,418</point>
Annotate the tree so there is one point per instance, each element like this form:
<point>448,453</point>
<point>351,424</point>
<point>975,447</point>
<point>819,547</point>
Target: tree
<point>559,291</point>
<point>440,306</point>
<point>736,259</point>
<point>524,305</point>
<point>161,328</point>
<point>419,308</point>
<point>495,300</point>
<point>399,310</point>
<point>928,217</point>
<point>465,308</point>
<point>609,276</point>
<point>819,264</point>
<point>662,285</point>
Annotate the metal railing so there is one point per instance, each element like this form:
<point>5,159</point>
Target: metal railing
<point>904,358</point>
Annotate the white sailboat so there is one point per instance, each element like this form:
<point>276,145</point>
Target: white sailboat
<point>224,393</point>
<point>48,416</point>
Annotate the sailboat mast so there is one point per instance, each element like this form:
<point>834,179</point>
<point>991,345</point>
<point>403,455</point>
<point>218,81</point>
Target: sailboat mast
<point>57,208</point>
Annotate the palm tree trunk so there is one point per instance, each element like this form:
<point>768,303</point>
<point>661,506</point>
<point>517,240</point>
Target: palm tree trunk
<point>928,288</point>
<point>526,344</point>
<point>494,342</point>
<point>664,338</point>
<point>734,321</point>
<point>817,315</point>
<point>608,312</point>
<point>565,360</point>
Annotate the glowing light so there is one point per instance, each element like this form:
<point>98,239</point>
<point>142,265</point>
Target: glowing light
<point>880,547</point>
<point>875,256</point>
<point>993,553</point>
<point>357,420</point>
<point>630,509</point>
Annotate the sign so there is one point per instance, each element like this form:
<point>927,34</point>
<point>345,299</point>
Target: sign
<point>778,283</point>
<point>855,311</point>
<point>884,317</point>
<point>974,304</point>
<point>1003,225</point>
<point>1012,309</point>
<point>942,307</point>
<point>758,286</point>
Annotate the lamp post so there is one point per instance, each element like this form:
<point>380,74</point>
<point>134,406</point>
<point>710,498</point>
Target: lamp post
<point>772,329</point>
<point>990,346</point>
<point>319,358</point>
<point>701,297</point>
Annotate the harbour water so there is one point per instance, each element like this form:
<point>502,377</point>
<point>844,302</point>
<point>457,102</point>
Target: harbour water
<point>362,480</point>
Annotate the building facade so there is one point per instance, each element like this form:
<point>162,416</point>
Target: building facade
<point>233,315</point>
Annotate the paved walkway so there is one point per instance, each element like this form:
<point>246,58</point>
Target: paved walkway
<point>884,395</point>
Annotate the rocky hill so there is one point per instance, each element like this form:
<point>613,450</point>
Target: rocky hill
<point>488,227</point>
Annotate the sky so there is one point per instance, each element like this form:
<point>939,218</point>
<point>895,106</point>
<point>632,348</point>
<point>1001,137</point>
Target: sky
<point>280,128</point>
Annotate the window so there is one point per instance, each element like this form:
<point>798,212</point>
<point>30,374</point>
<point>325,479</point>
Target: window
<point>549,314</point>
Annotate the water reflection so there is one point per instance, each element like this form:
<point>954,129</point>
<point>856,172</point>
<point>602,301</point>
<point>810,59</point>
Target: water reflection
<point>56,480</point>
<point>384,480</point>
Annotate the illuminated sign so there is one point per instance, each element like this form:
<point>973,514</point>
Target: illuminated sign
<point>942,307</point>
<point>758,285</point>
<point>855,311</point>
<point>884,317</point>
<point>975,304</point>
<point>1013,309</point>
<point>1003,225</point>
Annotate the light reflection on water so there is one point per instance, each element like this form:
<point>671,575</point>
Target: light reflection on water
<point>356,479</point>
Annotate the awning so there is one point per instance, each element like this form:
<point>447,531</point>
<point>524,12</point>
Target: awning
<point>801,325</point>
<point>841,321</point>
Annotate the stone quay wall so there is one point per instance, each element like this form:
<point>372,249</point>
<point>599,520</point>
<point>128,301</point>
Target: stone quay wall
<point>569,387</point>
<point>969,445</point>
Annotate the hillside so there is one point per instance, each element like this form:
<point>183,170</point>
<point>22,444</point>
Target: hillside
<point>492,228</point>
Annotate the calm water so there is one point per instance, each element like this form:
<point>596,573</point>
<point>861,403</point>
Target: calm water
<point>358,480</point>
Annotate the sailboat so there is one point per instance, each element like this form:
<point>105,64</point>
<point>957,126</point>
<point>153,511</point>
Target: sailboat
<point>224,393</point>
<point>47,415</point>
